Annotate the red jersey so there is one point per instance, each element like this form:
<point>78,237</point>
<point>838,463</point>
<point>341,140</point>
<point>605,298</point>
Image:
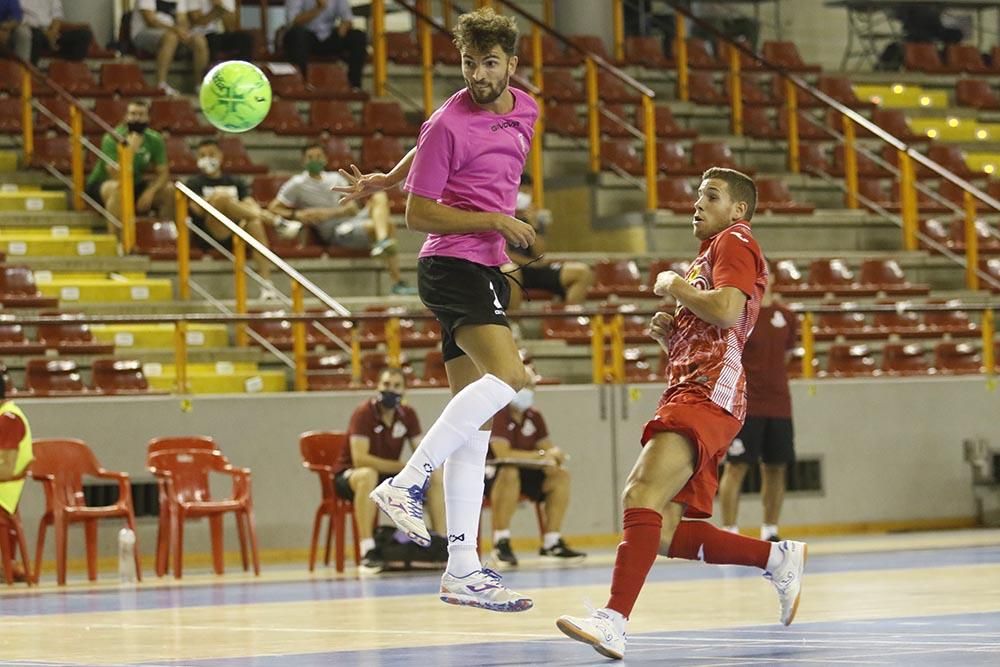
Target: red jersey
<point>386,442</point>
<point>764,362</point>
<point>524,436</point>
<point>704,361</point>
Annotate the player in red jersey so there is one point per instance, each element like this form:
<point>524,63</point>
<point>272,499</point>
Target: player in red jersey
<point>699,414</point>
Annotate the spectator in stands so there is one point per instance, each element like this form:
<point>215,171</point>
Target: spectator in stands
<point>219,22</point>
<point>767,433</point>
<point>150,174</point>
<point>159,27</point>
<point>15,455</point>
<point>527,464</point>
<point>324,27</point>
<point>308,198</point>
<point>15,35</point>
<point>924,24</point>
<point>570,281</point>
<point>50,35</point>
<point>379,427</point>
<point>231,196</point>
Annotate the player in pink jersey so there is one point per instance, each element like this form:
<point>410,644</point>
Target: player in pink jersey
<point>463,178</point>
<point>700,412</point>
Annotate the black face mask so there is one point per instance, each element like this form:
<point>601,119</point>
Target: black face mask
<point>389,399</point>
<point>137,127</point>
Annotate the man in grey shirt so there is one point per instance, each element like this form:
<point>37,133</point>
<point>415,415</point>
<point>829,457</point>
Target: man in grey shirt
<point>323,27</point>
<point>49,35</point>
<point>308,198</point>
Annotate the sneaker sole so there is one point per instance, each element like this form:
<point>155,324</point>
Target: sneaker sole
<point>569,629</point>
<point>523,604</point>
<point>422,540</point>
<point>795,605</point>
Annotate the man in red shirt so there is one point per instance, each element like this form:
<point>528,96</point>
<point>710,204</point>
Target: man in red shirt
<point>378,430</point>
<point>699,414</point>
<point>768,427</point>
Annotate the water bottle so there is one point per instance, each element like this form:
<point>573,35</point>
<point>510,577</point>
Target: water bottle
<point>126,556</point>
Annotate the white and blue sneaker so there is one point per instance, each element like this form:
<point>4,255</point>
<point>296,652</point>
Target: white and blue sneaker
<point>483,589</point>
<point>787,578</point>
<point>604,629</point>
<point>405,506</point>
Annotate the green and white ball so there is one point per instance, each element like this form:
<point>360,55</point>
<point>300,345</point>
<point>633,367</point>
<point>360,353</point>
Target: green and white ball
<point>235,96</point>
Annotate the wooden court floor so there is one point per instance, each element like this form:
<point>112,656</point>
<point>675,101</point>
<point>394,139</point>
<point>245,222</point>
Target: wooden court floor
<point>914,599</point>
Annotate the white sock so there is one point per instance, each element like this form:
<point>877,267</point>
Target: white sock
<point>464,477</point>
<point>465,413</point>
<point>549,540</point>
<point>500,535</point>
<point>731,529</point>
<point>768,530</point>
<point>775,557</point>
<point>367,544</point>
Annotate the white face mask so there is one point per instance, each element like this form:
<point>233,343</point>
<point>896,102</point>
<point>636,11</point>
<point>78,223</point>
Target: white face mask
<point>523,400</point>
<point>208,165</point>
<point>523,201</point>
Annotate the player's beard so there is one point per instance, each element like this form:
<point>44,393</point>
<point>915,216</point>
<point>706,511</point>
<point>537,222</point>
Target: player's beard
<point>489,96</point>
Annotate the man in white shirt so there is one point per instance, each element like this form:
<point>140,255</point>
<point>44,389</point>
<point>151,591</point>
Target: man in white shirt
<point>219,22</point>
<point>50,36</point>
<point>160,27</point>
<point>323,27</point>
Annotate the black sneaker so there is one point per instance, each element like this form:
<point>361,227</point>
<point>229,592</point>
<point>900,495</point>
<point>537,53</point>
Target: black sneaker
<point>774,538</point>
<point>503,554</point>
<point>372,563</point>
<point>562,553</point>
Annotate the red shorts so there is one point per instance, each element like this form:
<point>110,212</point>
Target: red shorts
<point>711,430</point>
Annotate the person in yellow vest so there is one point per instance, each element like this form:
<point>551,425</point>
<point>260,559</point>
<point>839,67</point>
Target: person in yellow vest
<point>15,455</point>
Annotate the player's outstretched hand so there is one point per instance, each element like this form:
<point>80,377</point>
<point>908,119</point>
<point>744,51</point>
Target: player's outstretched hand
<point>519,234</point>
<point>664,283</point>
<point>360,185</point>
<point>660,327</point>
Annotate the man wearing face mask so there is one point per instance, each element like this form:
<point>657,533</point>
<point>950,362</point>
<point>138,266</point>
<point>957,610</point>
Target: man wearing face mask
<point>150,175</point>
<point>378,430</point>
<point>231,197</point>
<point>532,467</point>
<point>308,198</point>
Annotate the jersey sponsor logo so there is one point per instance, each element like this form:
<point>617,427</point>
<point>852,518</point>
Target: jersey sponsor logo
<point>398,430</point>
<point>504,124</point>
<point>528,429</point>
<point>741,237</point>
<point>496,301</point>
<point>737,448</point>
<point>778,320</point>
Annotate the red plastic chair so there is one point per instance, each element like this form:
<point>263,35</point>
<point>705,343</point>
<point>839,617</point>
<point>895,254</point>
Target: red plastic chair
<point>387,117</point>
<point>905,360</point>
<point>621,154</point>
<point>924,57</point>
<point>646,52</point>
<point>321,450</point>
<point>235,158</point>
<point>13,341</point>
<point>700,57</point>
<point>664,122</point>
<point>284,118</point>
<point>705,154</point>
<point>613,90</point>
<point>380,153</point>
<point>965,57</point>
<point>676,194</point>
<point>950,322</point>
<point>60,465</point>
<point>326,80</point>
<point>621,278</point>
<point>773,195</point>
<point>847,324</point>
<point>70,336</point>
<point>402,47</point>
<point>840,89</point>
<point>953,358</point>
<point>850,361</point>
<point>435,372</point>
<point>560,119</point>
<point>559,85</point>
<point>119,377</point>
<point>885,275</point>
<point>328,372</point>
<point>180,159</point>
<point>186,477</point>
<point>177,116</point>
<point>55,377</point>
<point>333,116</point>
<point>75,77</point>
<point>976,93</point>
<point>567,326</point>
<point>786,55</point>
<point>338,154</point>
<point>703,89</point>
<point>127,80</point>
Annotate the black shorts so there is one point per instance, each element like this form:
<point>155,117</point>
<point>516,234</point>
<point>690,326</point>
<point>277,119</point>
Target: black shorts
<point>532,481</point>
<point>545,278</point>
<point>767,439</point>
<point>461,292</point>
<point>93,190</point>
<point>198,242</point>
<point>343,485</point>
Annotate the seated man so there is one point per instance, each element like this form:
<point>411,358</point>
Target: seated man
<point>15,455</point>
<point>567,280</point>
<point>527,464</point>
<point>324,27</point>
<point>378,429</point>
<point>15,34</point>
<point>219,22</point>
<point>231,197</point>
<point>150,175</point>
<point>50,35</point>
<point>308,198</point>
<point>160,26</point>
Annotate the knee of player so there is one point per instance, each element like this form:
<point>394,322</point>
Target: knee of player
<point>637,493</point>
<point>507,475</point>
<point>515,377</point>
<point>580,273</point>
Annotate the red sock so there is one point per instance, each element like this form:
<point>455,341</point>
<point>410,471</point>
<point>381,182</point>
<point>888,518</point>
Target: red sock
<point>635,556</point>
<point>700,540</point>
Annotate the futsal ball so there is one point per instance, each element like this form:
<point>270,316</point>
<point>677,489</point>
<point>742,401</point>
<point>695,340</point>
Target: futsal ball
<point>235,96</point>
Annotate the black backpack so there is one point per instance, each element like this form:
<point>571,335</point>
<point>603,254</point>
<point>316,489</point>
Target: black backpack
<point>399,552</point>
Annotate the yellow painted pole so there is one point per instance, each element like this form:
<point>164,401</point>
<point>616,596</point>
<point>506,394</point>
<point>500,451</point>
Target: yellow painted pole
<point>240,287</point>
<point>988,327</point>
<point>548,10</point>
<point>618,22</point>
<point>299,338</point>
<point>537,76</point>
<point>735,91</point>
<point>649,118</point>
<point>593,117</point>
<point>446,13</point>
<point>597,350</point>
<point>850,162</point>
<point>537,161</point>
<point>792,109</point>
<point>76,155</point>
<point>355,356</point>
<point>618,348</point>
<point>908,194</point>
<point>180,356</point>
<point>393,342</point>
<point>484,3</point>
<point>183,245</point>
<point>808,345</point>
<point>379,48</point>
<point>427,62</point>
<point>27,120</point>
<point>681,56</point>
<point>971,243</point>
<point>127,192</point>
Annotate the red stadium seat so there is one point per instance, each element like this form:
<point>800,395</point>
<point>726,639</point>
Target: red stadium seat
<point>180,159</point>
<point>402,47</point>
<point>387,117</point>
<point>621,154</point>
<point>158,240</point>
<point>924,57</point>
<point>849,361</point>
<point>435,372</point>
<point>18,289</point>
<point>867,167</point>
<point>592,44</point>
<point>976,93</point>
<point>949,322</point>
<point>813,159</point>
<point>126,79</point>
<point>612,89</point>
<point>443,49</point>
<point>773,196</point>
<point>951,358</point>
<point>894,122</point>
<point>328,372</point>
<point>673,160</point>
<point>75,77</point>
<point>284,118</point>
<point>70,336</point>
<point>911,359</point>
<point>885,276</point>
<point>612,119</point>
<point>13,341</point>
<point>646,52</point>
<point>380,153</point>
<point>786,56</point>
<point>177,116</point>
<point>567,326</point>
<point>834,276</point>
<point>52,151</point>
<point>265,187</point>
<point>758,123</point>
<point>563,120</point>
<point>333,116</point>
<point>676,194</point>
<point>664,123</point>
<point>56,377</point>
<point>840,89</point>
<point>618,277</point>
<point>553,54</point>
<point>235,159</point>
<point>110,109</point>
<point>898,322</point>
<point>703,89</point>
<point>559,85</point>
<point>119,376</point>
<point>700,55</point>
<point>329,80</point>
<point>847,324</point>
<point>965,57</point>
<point>953,159</point>
<point>10,115</point>
<point>788,280</point>
<point>705,154</point>
<point>290,85</point>
<point>338,154</point>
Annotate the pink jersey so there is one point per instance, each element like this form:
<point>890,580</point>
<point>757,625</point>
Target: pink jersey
<point>705,362</point>
<point>472,159</point>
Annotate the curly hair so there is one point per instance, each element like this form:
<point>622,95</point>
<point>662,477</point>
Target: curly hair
<point>481,30</point>
<point>741,187</point>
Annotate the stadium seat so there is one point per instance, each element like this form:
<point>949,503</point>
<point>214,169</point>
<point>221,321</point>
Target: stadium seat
<point>18,289</point>
<point>235,159</point>
<point>664,123</point>
<point>894,122</point>
<point>976,93</point>
<point>676,194</point>
<point>705,154</point>
<point>753,93</point>
<point>951,358</point>
<point>885,276</point>
<point>180,159</point>
<point>559,85</point>
<point>901,321</point>
<point>75,78</point>
<point>700,55</point>
<point>70,336</point>
<point>563,120</point>
<point>371,332</point>
<point>637,369</point>
<point>126,79</point>
<point>338,154</point>
<point>840,89</point>
<point>786,56</point>
<point>158,240</point>
<point>13,340</point>
<point>949,322</point>
<point>403,48</point>
<point>380,153</point>
<point>758,123</point>
<point>612,119</point>
<point>703,89</point>
<point>329,80</point>
<point>905,360</point>
<point>672,160</point>
<point>926,203</point>
<point>592,44</point>
<point>614,90</point>
<point>794,364</point>
<point>435,372</point>
<point>658,266</point>
<point>60,466</point>
<point>646,52</point>
<point>55,377</point>
<point>553,54</point>
<point>873,194</point>
<point>333,116</point>
<point>788,280</point>
<point>567,326</point>
<point>953,159</point>
<point>265,187</point>
<point>321,452</point>
<point>867,167</point>
<point>617,277</point>
<point>290,85</point>
<point>834,276</point>
<point>176,116</point>
<point>924,57</point>
<point>52,151</point>
<point>810,128</point>
<point>387,117</point>
<point>10,115</point>
<point>843,360</point>
<point>934,233</point>
<point>773,195</point>
<point>119,376</point>
<point>109,109</point>
<point>621,154</point>
<point>443,49</point>
<point>10,77</point>
<point>813,159</point>
<point>328,372</point>
<point>966,58</point>
<point>284,118</point>
<point>847,324</point>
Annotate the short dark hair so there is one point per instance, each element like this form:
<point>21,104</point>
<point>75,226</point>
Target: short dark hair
<point>393,370</point>
<point>139,102</point>
<point>741,187</point>
<point>526,178</point>
<point>311,145</point>
<point>481,30</point>
<point>208,142</point>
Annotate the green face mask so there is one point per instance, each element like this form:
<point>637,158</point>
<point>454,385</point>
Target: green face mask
<point>315,166</point>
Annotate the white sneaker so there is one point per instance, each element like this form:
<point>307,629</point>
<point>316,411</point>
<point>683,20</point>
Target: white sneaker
<point>167,89</point>
<point>604,629</point>
<point>787,578</point>
<point>287,229</point>
<point>405,507</point>
<point>483,589</point>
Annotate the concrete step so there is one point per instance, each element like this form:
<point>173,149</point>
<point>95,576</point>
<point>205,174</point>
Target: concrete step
<point>8,161</point>
<point>46,219</point>
<point>223,377</point>
<point>70,243</point>
<point>104,290</point>
<point>32,200</point>
<point>160,336</point>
